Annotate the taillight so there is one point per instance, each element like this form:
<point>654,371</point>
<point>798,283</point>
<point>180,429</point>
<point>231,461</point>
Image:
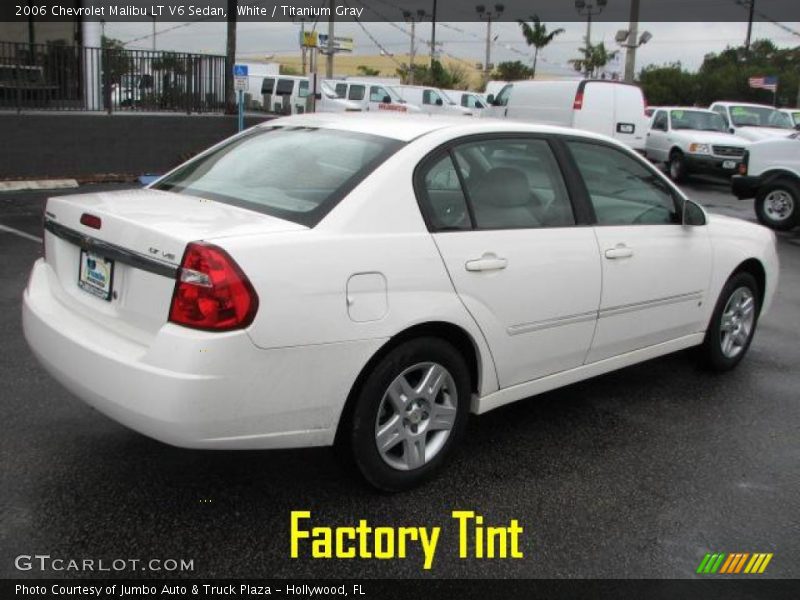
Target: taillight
<point>211,291</point>
<point>92,221</point>
<point>578,104</point>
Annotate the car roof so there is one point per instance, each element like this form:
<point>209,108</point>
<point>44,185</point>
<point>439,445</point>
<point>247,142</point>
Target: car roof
<point>695,108</point>
<point>734,103</point>
<point>406,127</point>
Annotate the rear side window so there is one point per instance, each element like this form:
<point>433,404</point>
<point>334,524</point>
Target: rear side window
<point>268,85</point>
<point>285,86</point>
<point>446,204</point>
<point>622,190</point>
<point>510,183</point>
<point>251,170</point>
<point>341,90</point>
<point>356,92</point>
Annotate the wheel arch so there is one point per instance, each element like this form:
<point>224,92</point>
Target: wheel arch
<point>754,267</point>
<point>454,334</point>
<point>775,174</point>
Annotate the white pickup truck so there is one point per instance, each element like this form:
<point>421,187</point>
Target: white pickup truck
<point>770,173</point>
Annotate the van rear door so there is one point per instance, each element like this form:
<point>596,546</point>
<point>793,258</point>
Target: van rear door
<point>630,122</point>
<point>594,107</point>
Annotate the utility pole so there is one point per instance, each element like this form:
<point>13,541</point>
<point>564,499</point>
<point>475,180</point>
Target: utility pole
<point>303,48</point>
<point>488,15</point>
<point>412,18</point>
<point>329,62</point>
<point>433,33</point>
<point>633,36</point>
<point>752,5</point>
<point>154,33</point>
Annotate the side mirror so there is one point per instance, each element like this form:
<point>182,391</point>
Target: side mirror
<point>318,96</point>
<point>731,130</point>
<point>490,99</point>
<point>387,100</point>
<point>797,127</point>
<point>439,102</point>
<point>693,215</point>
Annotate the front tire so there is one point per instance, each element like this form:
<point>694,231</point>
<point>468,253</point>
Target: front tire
<point>410,412</point>
<point>777,204</point>
<point>676,167</point>
<point>733,323</point>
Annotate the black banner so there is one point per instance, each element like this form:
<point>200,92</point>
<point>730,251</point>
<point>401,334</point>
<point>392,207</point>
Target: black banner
<point>393,10</point>
<point>390,589</point>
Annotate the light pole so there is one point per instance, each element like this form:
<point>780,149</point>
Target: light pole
<point>589,9</point>
<point>627,38</point>
<point>488,15</point>
<point>412,18</point>
<point>433,34</point>
<point>154,33</point>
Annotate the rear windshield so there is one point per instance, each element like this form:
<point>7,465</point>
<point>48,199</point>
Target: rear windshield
<point>293,173</point>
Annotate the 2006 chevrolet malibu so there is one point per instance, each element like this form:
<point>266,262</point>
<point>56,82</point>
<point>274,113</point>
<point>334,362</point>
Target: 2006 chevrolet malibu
<point>370,282</point>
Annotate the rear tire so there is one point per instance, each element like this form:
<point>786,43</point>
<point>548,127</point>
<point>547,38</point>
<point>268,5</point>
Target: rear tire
<point>676,167</point>
<point>410,412</point>
<point>733,323</point>
<point>777,204</point>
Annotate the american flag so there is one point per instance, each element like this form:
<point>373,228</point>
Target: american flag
<point>766,83</point>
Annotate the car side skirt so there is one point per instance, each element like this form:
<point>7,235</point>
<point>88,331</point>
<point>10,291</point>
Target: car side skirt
<point>557,380</point>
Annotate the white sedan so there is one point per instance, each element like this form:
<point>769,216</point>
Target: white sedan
<point>369,281</point>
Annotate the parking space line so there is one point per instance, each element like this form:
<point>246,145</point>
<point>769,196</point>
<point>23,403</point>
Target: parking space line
<point>21,234</point>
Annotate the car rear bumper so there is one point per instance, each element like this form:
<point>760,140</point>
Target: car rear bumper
<point>745,186</point>
<point>194,389</point>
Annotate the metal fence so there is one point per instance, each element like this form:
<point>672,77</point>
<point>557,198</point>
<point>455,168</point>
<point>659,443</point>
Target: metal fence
<point>60,77</point>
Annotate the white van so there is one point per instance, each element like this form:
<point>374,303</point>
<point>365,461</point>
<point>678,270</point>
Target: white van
<point>471,100</point>
<point>329,101</point>
<point>285,94</point>
<point>431,100</point>
<point>611,108</point>
<point>370,96</point>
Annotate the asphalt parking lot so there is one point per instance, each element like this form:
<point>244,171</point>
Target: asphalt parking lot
<point>637,473</point>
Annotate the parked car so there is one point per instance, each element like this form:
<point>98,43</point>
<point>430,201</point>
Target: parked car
<point>369,280</point>
<point>770,173</point>
<point>793,114</point>
<point>693,140</point>
<point>608,107</point>
<point>285,94</point>
<point>430,100</point>
<point>753,121</point>
<point>370,96</point>
<point>471,100</point>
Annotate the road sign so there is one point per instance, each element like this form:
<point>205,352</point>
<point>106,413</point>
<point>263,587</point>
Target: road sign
<point>240,83</point>
<point>240,71</point>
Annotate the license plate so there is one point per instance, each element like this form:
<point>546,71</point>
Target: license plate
<point>95,274</point>
<point>729,164</point>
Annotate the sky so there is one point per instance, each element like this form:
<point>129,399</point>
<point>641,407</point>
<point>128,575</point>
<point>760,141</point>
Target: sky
<point>671,42</point>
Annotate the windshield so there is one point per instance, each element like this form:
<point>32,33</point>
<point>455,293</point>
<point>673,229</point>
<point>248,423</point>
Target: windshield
<point>759,116</point>
<point>697,119</point>
<point>393,94</point>
<point>503,96</point>
<point>252,170</point>
<point>796,117</point>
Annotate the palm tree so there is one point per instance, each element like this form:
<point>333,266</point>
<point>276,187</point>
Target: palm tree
<point>595,57</point>
<point>537,36</point>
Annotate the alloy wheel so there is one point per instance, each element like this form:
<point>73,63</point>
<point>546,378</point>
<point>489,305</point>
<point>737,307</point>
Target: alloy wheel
<point>778,205</point>
<point>737,322</point>
<point>416,416</point>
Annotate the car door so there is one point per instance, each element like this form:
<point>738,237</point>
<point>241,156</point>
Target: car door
<point>432,101</point>
<point>377,96</point>
<point>521,262</point>
<point>658,137</point>
<point>655,270</point>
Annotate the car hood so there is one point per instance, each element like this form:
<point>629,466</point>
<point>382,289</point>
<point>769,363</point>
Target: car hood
<point>712,137</point>
<point>762,133</point>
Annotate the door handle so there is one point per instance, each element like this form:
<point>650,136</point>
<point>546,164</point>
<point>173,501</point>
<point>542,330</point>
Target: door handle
<point>487,262</point>
<point>619,251</point>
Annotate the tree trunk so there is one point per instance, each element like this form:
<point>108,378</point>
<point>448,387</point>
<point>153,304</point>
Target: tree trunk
<point>230,59</point>
<point>535,56</point>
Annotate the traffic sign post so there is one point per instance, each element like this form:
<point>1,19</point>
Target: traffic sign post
<point>240,81</point>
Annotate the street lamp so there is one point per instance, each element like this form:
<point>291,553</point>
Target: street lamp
<point>628,40</point>
<point>488,14</point>
<point>413,18</point>
<point>589,10</point>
